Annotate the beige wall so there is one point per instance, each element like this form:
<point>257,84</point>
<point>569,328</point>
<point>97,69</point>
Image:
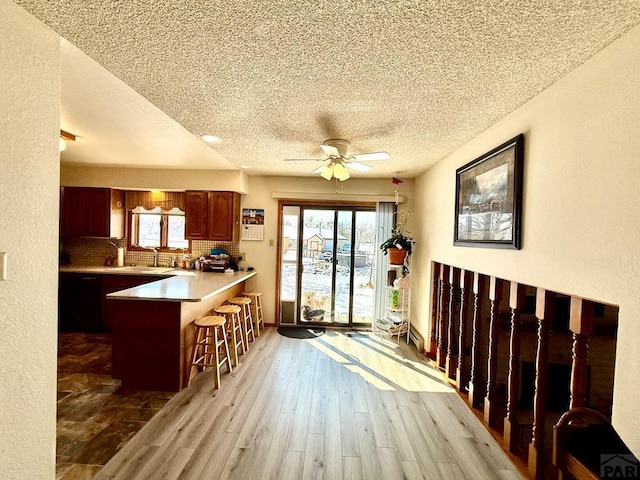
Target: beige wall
<point>29,107</point>
<point>262,255</point>
<point>581,220</point>
<point>159,179</point>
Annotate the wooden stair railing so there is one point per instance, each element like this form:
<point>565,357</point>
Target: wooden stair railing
<point>451,360</point>
<point>491,407</point>
<point>475,388</point>
<point>544,314</point>
<point>581,322</point>
<point>443,316</point>
<point>511,432</point>
<point>466,280</point>
<point>585,445</point>
<point>435,309</point>
<point>458,308</point>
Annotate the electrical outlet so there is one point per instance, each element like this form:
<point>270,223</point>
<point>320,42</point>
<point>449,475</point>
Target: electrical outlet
<point>271,242</point>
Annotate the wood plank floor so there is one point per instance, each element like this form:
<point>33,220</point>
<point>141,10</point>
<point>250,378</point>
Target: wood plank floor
<point>344,405</point>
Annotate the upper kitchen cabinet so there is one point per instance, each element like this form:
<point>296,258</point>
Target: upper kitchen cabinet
<point>91,212</point>
<point>212,216</point>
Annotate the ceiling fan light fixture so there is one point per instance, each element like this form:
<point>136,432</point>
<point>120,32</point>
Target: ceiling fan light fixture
<point>327,172</point>
<point>340,172</point>
<point>64,137</point>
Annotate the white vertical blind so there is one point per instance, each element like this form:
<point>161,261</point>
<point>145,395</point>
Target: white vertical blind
<point>384,226</point>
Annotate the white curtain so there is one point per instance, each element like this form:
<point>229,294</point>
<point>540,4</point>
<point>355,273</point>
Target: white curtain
<point>384,226</point>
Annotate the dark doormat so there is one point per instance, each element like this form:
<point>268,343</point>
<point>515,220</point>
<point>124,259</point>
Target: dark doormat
<point>301,332</point>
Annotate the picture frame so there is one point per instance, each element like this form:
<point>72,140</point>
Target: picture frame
<point>488,209</point>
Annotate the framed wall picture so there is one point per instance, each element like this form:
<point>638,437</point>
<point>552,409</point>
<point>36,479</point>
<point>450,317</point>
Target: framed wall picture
<point>488,211</point>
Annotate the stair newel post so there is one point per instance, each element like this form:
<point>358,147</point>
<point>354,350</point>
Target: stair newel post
<point>435,293</point>
<point>544,313</point>
<point>466,280</point>
<point>452,359</point>
<point>490,406</point>
<point>475,388</point>
<point>444,315</point>
<point>581,322</point>
<point>517,296</point>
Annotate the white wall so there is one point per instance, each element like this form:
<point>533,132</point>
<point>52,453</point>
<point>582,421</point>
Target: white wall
<point>30,119</point>
<point>581,220</point>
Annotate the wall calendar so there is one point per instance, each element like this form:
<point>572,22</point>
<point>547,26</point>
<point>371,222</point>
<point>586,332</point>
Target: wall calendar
<point>252,224</point>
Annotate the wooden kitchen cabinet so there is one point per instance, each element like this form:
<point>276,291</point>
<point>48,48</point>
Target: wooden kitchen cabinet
<point>91,212</point>
<point>115,283</point>
<point>79,303</point>
<point>196,215</point>
<point>224,216</point>
<point>82,302</point>
<point>212,216</point>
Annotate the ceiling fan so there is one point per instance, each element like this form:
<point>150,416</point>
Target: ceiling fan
<point>337,161</point>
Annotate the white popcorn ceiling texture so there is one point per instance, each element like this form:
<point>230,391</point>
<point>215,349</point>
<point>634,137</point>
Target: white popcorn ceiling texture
<point>275,79</point>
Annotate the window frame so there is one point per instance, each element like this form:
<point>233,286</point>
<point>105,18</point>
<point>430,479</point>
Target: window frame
<point>164,235</point>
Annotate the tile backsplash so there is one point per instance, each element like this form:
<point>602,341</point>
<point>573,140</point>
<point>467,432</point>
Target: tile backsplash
<point>94,251</point>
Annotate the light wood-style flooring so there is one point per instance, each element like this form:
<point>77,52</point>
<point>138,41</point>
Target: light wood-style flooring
<point>345,405</point>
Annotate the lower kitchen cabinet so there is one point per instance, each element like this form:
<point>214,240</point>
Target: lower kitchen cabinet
<point>82,303</point>
<point>115,283</point>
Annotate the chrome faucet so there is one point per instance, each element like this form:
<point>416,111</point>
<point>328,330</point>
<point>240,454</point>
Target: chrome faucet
<point>155,257</point>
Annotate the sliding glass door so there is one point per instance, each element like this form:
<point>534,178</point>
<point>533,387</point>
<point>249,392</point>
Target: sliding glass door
<point>327,271</point>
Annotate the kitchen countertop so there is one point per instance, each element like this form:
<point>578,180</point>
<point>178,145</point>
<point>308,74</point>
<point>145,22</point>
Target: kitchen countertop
<point>126,270</point>
<point>183,288</point>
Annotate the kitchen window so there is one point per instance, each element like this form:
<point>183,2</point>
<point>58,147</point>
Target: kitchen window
<point>157,228</point>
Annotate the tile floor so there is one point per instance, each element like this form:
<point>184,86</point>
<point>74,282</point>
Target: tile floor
<point>96,416</point>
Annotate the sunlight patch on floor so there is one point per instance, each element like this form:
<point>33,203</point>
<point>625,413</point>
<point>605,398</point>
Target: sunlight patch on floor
<point>380,362</point>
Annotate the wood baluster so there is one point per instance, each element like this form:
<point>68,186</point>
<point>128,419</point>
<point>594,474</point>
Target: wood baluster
<point>466,278</point>
<point>452,359</point>
<point>581,322</point>
<point>474,378</point>
<point>490,402</point>
<point>544,313</point>
<point>435,308</point>
<point>517,297</point>
<point>444,314</point>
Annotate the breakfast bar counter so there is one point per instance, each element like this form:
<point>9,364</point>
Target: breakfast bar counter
<point>152,326</point>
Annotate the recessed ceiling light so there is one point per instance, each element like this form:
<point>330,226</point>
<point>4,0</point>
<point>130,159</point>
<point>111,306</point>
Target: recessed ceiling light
<point>210,138</point>
<point>244,167</point>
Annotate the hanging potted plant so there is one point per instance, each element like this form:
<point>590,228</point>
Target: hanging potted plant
<point>400,244</point>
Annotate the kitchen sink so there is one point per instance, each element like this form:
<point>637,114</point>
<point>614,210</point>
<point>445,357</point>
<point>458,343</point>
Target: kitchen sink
<point>143,269</point>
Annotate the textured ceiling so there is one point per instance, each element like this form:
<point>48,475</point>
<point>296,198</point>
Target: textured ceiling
<point>275,79</point>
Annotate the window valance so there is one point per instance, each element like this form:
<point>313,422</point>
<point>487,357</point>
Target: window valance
<point>152,199</point>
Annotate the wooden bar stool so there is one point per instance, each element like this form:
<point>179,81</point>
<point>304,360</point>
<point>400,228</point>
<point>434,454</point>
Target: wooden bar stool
<point>256,300</point>
<point>247,321</point>
<point>235,333</point>
<point>211,340</point>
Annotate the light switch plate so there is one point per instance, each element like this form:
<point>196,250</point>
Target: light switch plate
<point>3,265</point>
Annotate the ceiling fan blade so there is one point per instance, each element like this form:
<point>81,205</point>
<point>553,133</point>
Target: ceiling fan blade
<point>303,159</point>
<point>330,150</point>
<point>370,157</point>
<point>320,168</point>
<point>361,167</point>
